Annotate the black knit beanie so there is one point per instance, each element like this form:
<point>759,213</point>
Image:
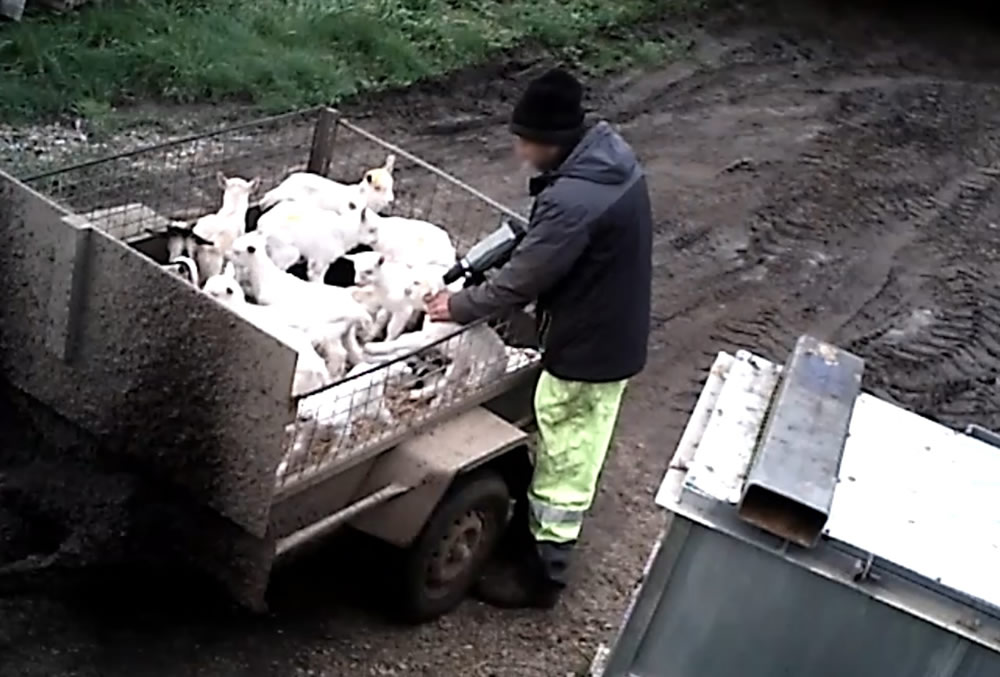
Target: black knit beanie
<point>550,111</point>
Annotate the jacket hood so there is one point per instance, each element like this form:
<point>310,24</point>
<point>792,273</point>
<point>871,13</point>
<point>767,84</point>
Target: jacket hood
<point>602,156</point>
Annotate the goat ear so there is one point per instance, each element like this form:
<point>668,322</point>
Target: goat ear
<point>221,178</point>
<point>204,241</point>
<point>254,183</point>
<point>229,270</point>
<point>390,163</point>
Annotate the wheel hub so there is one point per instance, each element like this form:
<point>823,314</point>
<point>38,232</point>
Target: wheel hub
<point>457,549</point>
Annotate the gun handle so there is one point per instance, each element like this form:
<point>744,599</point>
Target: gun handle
<point>474,279</point>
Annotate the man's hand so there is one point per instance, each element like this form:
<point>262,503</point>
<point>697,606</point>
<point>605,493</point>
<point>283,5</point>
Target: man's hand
<point>437,306</point>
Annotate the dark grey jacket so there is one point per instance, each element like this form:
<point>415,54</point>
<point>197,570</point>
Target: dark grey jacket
<point>586,260</point>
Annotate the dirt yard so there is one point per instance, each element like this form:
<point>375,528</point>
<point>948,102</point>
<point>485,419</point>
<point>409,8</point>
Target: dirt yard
<point>837,174</point>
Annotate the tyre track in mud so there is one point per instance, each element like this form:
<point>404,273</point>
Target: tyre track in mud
<point>861,275</point>
<point>937,345</point>
<point>820,227</point>
<point>931,334</point>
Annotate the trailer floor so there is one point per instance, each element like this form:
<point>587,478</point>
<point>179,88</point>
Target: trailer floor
<point>835,173</point>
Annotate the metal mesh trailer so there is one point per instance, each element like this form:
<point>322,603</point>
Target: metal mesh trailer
<point>872,553</point>
<point>96,330</point>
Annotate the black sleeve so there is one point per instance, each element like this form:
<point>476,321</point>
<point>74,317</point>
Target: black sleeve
<point>556,237</point>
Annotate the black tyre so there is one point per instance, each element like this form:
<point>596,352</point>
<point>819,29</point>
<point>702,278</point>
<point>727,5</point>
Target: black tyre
<point>448,557</point>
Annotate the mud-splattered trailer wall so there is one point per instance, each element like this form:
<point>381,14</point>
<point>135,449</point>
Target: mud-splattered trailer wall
<point>133,355</point>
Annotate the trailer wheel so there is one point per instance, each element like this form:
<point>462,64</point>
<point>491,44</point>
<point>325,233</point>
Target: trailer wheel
<point>453,547</point>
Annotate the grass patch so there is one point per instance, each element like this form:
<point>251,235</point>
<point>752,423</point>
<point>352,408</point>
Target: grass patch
<point>279,54</point>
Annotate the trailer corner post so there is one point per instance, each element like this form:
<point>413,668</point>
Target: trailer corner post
<point>323,142</point>
<point>67,298</point>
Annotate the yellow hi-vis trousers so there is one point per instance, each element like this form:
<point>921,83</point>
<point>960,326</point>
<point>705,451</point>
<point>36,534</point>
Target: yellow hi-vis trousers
<point>575,424</point>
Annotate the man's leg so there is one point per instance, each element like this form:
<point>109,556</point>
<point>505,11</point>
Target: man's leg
<point>575,424</point>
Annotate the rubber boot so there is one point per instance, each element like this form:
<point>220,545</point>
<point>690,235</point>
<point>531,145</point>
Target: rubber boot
<point>516,543</point>
<point>533,581</point>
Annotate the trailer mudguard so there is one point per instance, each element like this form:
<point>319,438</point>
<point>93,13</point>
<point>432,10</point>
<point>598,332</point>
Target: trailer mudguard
<point>429,462</point>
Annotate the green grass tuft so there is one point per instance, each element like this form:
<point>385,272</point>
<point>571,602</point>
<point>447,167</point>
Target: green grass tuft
<point>279,54</point>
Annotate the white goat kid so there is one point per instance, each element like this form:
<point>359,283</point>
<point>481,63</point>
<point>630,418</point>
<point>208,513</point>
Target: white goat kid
<point>368,296</point>
<point>476,355</point>
<point>326,337</point>
<point>375,190</point>
<point>311,372</point>
<point>301,229</point>
<point>410,241</point>
<point>211,238</point>
<point>270,285</point>
<point>335,308</point>
<point>396,289</point>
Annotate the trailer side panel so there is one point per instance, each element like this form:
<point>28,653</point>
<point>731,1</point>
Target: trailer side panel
<point>169,380</point>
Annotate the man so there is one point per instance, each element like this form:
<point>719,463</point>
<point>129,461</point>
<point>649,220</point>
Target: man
<point>586,260</point>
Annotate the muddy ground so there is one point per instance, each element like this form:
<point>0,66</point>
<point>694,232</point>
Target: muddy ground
<point>812,170</point>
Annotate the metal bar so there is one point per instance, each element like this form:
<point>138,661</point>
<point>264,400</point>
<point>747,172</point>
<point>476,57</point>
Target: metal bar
<point>71,259</point>
<point>881,567</point>
<point>789,488</point>
<point>324,138</point>
<point>330,523</point>
<point>260,122</point>
<point>983,434</point>
<point>434,170</point>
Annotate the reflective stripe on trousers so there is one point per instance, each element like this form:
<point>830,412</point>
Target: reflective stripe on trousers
<point>575,424</point>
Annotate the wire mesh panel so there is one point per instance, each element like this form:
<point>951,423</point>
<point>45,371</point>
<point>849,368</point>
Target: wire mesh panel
<point>382,402</point>
<point>426,372</point>
<point>130,194</point>
<point>387,388</point>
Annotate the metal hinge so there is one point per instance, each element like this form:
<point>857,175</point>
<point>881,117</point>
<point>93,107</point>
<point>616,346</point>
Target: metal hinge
<point>863,570</point>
